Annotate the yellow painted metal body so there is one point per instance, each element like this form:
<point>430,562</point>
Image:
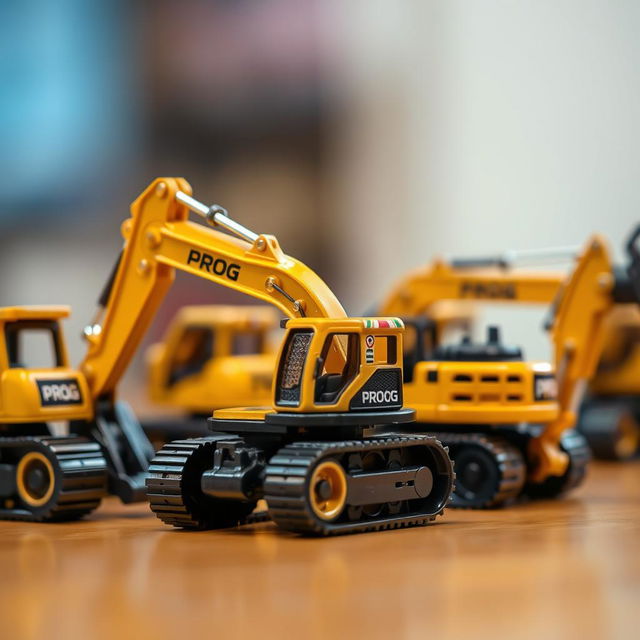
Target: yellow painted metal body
<point>20,396</point>
<point>478,393</point>
<point>221,377</point>
<point>581,304</point>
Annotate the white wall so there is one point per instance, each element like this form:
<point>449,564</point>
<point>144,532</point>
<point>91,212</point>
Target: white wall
<point>475,126</point>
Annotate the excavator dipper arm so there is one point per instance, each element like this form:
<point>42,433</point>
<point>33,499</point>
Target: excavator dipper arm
<point>577,336</point>
<point>594,287</point>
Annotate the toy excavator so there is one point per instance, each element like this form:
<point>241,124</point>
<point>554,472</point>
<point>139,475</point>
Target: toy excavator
<point>336,377</point>
<point>43,477</point>
<point>507,421</point>
<point>49,477</point>
<point>211,356</point>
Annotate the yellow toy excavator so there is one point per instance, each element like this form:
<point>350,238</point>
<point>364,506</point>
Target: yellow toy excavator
<point>214,356</point>
<point>211,356</point>
<point>310,454</point>
<point>337,377</point>
<point>44,476</point>
<point>507,421</point>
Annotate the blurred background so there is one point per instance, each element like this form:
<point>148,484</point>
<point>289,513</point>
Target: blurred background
<point>367,136</point>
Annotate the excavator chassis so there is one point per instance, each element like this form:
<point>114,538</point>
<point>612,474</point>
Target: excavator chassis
<point>491,466</point>
<point>311,487</point>
<point>50,478</point>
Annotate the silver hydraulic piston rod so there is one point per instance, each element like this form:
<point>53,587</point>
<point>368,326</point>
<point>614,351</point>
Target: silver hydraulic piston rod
<point>510,259</point>
<point>216,216</point>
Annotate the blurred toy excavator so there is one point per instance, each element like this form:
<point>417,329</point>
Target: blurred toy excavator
<point>308,455</point>
<point>508,422</point>
<point>211,356</point>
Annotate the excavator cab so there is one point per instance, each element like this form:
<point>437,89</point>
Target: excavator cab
<point>331,372</point>
<point>37,385</point>
<point>214,356</point>
<point>346,366</point>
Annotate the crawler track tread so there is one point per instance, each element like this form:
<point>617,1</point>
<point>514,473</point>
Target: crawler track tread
<point>288,473</point>
<point>173,488</point>
<point>80,477</point>
<point>509,462</point>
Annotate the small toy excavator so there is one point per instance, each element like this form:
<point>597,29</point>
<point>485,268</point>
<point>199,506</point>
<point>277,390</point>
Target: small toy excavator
<point>312,454</point>
<point>309,455</point>
<point>508,422</point>
<point>214,356</point>
<point>45,476</point>
<point>211,356</point>
<point>48,477</point>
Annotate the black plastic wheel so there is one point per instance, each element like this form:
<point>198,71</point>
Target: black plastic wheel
<point>477,476</point>
<point>490,471</point>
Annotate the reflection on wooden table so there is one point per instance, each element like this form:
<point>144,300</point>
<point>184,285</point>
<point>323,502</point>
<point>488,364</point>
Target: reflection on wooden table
<point>569,568</point>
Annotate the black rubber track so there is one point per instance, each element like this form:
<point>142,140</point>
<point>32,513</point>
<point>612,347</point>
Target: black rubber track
<point>80,477</point>
<point>174,493</point>
<point>509,464</point>
<point>288,473</point>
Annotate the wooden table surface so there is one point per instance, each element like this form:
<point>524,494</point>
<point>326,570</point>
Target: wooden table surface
<point>563,569</point>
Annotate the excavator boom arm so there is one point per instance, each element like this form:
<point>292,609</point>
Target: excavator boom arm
<point>159,239</point>
<point>423,287</point>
